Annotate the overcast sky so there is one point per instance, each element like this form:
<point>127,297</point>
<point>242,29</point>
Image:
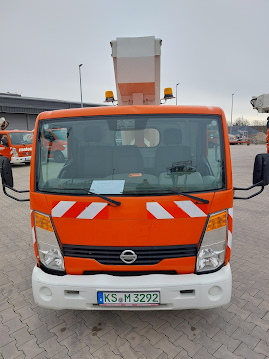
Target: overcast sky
<point>213,48</point>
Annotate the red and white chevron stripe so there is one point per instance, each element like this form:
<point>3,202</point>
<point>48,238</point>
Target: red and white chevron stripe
<point>80,210</point>
<point>33,226</point>
<point>175,209</point>
<point>33,233</point>
<point>230,227</point>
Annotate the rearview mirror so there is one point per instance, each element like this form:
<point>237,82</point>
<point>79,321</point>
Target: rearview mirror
<point>261,170</point>
<point>6,172</point>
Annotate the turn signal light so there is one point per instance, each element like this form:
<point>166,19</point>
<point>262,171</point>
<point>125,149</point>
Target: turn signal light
<point>217,221</point>
<point>43,222</point>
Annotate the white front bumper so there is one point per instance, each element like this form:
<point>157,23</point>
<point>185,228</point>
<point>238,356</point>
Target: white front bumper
<point>80,291</point>
<point>20,159</point>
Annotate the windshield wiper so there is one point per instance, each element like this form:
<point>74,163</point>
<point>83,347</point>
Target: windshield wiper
<point>117,203</point>
<point>157,190</point>
<point>188,195</point>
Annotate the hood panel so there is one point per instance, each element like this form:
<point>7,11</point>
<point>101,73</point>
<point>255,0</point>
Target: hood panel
<point>140,221</point>
<point>129,232</point>
<point>137,222</point>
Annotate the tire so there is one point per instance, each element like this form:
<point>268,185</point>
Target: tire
<point>58,156</point>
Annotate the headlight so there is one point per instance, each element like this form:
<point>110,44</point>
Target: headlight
<point>211,254</point>
<point>14,152</point>
<point>50,254</point>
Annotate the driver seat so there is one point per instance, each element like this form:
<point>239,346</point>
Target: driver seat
<point>173,151</point>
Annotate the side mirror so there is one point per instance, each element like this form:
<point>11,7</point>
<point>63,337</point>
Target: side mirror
<point>7,179</point>
<point>260,175</point>
<point>261,170</point>
<point>6,172</point>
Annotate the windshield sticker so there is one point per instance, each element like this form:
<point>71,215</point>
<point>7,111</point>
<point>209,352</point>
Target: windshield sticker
<point>107,187</point>
<point>135,175</point>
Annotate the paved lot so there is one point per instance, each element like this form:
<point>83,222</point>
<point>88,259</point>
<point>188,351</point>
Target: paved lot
<point>238,330</point>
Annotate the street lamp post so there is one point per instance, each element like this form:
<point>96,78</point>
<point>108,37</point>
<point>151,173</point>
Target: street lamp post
<point>80,85</point>
<point>176,92</point>
<point>232,113</point>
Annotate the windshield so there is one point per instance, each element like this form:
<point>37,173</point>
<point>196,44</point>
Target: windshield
<point>21,138</point>
<point>132,155</point>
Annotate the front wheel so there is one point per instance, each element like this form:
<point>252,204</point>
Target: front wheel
<point>58,156</point>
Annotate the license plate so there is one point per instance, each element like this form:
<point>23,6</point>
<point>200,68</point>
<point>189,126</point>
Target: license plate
<point>131,299</point>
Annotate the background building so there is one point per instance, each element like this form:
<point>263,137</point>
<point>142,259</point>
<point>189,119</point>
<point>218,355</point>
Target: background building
<point>21,112</point>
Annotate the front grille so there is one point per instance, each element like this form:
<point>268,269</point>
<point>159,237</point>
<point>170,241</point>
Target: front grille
<point>145,255</point>
<point>130,273</point>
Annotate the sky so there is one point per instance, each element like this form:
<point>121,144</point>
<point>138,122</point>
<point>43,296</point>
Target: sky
<point>213,48</point>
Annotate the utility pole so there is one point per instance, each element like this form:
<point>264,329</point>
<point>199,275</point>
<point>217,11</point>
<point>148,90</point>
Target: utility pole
<point>176,92</point>
<point>81,103</point>
<point>232,113</point>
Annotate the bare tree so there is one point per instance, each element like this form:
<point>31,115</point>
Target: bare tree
<point>259,123</point>
<point>241,121</point>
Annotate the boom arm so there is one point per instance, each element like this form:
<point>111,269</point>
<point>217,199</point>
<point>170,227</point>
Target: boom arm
<point>137,70</point>
<point>261,103</point>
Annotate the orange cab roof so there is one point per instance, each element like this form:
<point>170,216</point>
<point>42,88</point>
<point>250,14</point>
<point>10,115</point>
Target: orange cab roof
<point>130,110</point>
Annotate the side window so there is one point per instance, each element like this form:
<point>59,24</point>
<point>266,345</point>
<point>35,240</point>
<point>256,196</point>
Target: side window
<point>4,140</point>
<point>213,148</point>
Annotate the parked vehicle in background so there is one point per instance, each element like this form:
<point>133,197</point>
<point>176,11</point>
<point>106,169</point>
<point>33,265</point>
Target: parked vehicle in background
<point>16,145</point>
<point>55,142</point>
<point>233,140</point>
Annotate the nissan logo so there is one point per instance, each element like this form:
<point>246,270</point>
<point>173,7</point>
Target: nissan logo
<point>128,256</point>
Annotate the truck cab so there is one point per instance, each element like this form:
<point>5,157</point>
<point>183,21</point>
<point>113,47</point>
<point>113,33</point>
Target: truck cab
<point>16,145</point>
<point>139,214</point>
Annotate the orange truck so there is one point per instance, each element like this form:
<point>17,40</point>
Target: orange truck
<point>55,144</point>
<point>16,145</point>
<point>140,213</point>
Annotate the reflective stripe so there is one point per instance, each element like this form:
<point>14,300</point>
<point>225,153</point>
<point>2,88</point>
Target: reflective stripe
<point>92,210</point>
<point>62,207</point>
<point>190,208</point>
<point>33,235</point>
<point>230,225</point>
<point>33,226</point>
<point>230,239</point>
<point>158,211</point>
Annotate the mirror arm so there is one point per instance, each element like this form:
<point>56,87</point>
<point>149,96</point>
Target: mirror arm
<point>16,199</point>
<point>245,189</point>
<point>16,190</point>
